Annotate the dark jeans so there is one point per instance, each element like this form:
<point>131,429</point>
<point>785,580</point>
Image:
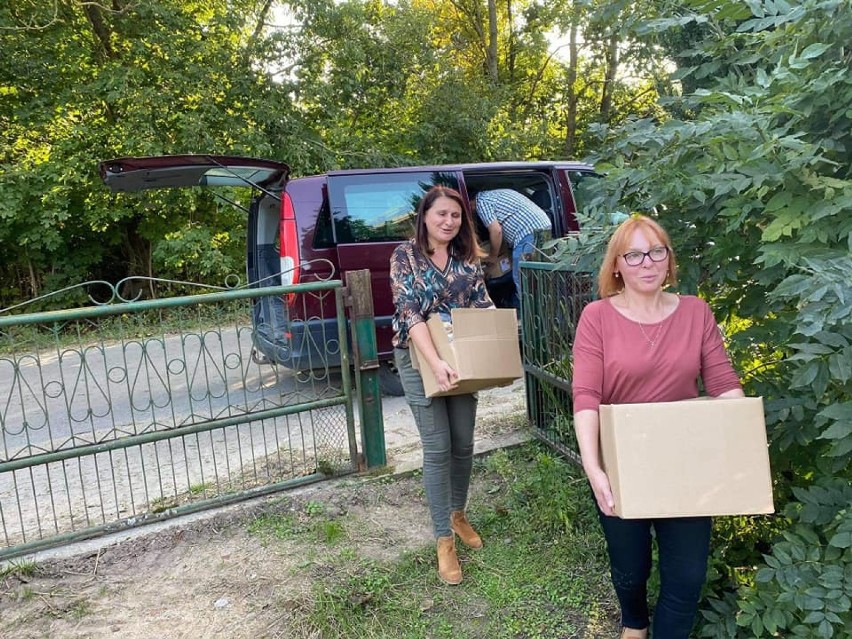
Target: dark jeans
<point>446,428</point>
<point>524,246</point>
<point>684,544</point>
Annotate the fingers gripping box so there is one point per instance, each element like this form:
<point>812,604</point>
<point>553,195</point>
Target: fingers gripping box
<point>483,350</point>
<point>687,458</point>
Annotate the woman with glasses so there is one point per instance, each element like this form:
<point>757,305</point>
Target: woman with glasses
<point>640,343</point>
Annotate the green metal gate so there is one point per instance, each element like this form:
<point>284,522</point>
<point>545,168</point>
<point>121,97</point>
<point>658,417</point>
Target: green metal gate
<point>120,414</point>
<point>553,297</point>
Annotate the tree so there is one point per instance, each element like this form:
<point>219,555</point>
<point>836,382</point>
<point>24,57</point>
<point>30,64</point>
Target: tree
<point>87,81</point>
<point>347,84</point>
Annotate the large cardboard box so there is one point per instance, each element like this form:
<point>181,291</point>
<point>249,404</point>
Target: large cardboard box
<point>687,458</point>
<point>483,350</point>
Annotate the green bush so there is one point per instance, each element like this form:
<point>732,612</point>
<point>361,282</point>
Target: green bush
<point>754,187</point>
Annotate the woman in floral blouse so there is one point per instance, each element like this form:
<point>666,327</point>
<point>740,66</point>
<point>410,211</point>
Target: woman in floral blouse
<point>435,272</point>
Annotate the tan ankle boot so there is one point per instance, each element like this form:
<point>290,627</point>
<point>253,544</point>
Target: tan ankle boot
<point>461,526</point>
<point>634,633</point>
<point>448,562</point>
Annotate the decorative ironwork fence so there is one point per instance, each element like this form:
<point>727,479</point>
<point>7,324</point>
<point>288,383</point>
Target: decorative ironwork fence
<point>552,298</point>
<point>119,414</point>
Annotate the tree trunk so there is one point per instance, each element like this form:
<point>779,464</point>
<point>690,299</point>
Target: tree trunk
<point>512,52</point>
<point>258,30</point>
<point>491,57</point>
<point>609,78</point>
<point>99,28</point>
<point>137,259</point>
<point>34,287</point>
<point>571,116</point>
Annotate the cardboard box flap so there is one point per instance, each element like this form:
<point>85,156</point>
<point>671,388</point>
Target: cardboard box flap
<point>440,339</point>
<point>472,323</point>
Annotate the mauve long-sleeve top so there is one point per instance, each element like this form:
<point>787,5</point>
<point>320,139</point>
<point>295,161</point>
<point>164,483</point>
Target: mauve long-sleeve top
<point>615,363</point>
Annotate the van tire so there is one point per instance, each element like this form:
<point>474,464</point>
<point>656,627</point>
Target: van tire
<point>389,382</point>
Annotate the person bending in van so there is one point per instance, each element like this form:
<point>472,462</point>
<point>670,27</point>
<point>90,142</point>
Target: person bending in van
<point>436,271</point>
<point>511,216</point>
<point>640,344</point>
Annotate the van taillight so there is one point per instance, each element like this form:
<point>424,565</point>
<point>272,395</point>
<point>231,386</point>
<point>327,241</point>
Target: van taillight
<point>289,241</point>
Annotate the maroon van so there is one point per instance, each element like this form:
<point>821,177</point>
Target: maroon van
<point>313,228</point>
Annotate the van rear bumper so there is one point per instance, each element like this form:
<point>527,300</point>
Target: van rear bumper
<point>307,344</point>
<point>300,345</point>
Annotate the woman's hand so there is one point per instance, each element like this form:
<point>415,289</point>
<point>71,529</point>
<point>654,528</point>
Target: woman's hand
<point>587,425</point>
<point>445,375</point>
<point>603,492</point>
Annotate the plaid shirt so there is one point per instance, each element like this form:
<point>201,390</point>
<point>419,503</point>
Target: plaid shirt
<point>518,215</point>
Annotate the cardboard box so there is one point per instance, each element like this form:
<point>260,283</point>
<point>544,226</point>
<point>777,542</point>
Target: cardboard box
<point>687,458</point>
<point>484,350</point>
<point>501,266</point>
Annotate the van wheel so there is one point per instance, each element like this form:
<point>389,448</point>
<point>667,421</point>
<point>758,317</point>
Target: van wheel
<point>259,358</point>
<point>389,382</point>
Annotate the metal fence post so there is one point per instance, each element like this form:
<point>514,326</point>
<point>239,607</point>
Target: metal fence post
<point>365,349</point>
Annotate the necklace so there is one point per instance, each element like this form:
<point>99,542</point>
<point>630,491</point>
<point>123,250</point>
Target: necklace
<point>651,342</point>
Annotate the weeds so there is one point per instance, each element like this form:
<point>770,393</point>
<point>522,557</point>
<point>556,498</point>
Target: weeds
<point>332,532</point>
<point>197,489</point>
<point>162,504</point>
<point>80,609</point>
<point>310,520</point>
<point>25,568</point>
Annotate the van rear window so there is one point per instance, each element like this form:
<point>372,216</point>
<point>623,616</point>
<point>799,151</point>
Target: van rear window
<point>380,207</point>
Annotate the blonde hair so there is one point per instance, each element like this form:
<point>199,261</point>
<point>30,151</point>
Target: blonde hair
<point>608,283</point>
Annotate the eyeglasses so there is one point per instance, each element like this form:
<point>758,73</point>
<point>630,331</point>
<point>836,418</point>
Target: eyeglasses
<point>657,254</point>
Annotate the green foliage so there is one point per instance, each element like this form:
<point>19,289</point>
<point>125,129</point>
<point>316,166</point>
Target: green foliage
<point>348,84</point>
<point>198,254</point>
<point>85,83</point>
<point>756,192</point>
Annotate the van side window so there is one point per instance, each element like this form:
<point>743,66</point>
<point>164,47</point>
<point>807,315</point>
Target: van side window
<point>323,234</point>
<point>379,207</point>
<point>580,182</point>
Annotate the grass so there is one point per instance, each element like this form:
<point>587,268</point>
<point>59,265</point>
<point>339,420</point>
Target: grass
<point>162,504</point>
<point>24,568</point>
<point>197,489</point>
<point>542,573</point>
<point>80,609</point>
<point>310,520</point>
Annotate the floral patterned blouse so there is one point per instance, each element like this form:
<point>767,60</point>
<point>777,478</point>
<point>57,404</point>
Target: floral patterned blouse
<point>420,288</point>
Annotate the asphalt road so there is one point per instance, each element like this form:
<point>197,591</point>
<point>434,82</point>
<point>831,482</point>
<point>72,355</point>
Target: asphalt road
<point>83,395</point>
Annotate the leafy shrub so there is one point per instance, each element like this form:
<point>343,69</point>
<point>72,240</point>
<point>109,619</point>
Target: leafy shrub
<point>756,192</point>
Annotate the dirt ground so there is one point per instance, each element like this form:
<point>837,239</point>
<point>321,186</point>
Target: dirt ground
<point>214,577</point>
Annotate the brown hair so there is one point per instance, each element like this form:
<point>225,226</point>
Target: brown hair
<point>608,283</point>
<point>464,245</point>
